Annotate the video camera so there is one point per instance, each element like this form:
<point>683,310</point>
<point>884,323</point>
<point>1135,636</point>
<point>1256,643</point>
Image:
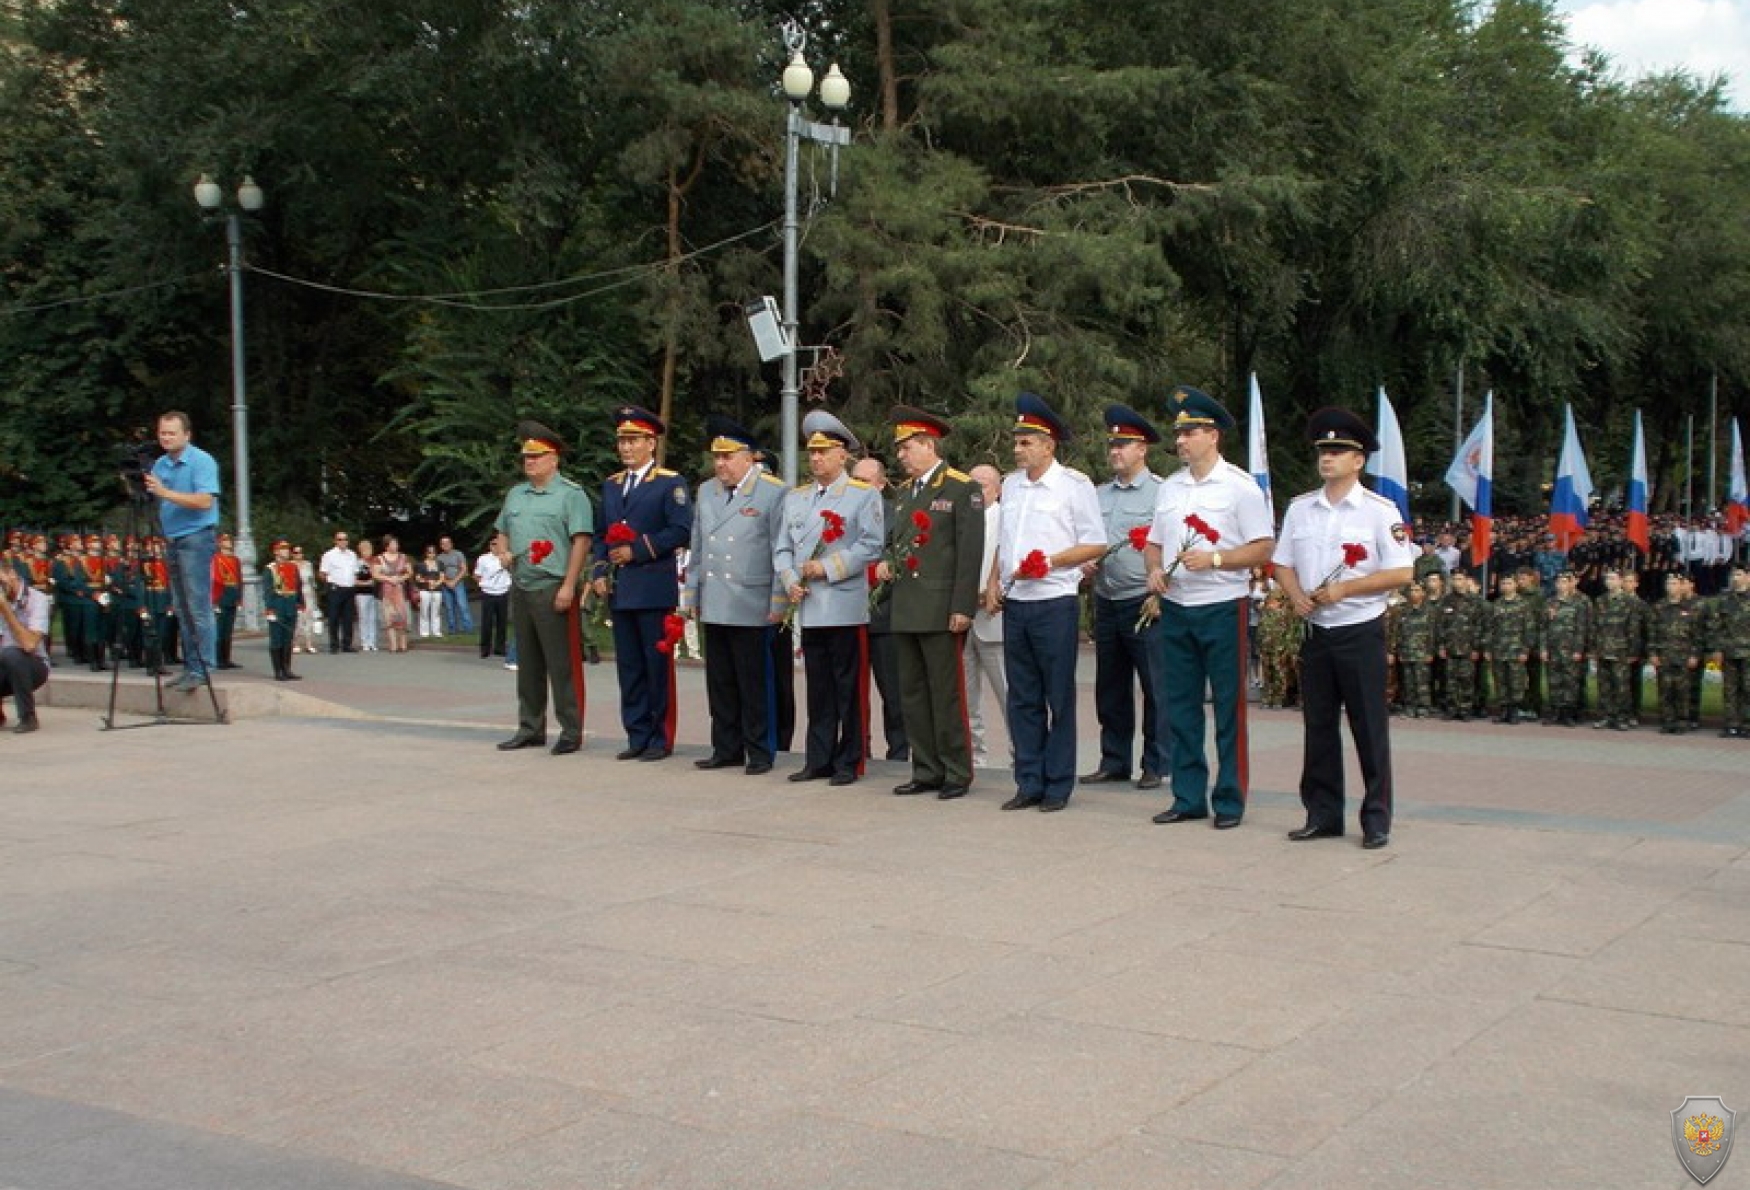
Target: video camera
<point>133,460</point>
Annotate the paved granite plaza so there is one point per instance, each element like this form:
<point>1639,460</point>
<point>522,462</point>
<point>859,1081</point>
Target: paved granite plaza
<point>350,946</point>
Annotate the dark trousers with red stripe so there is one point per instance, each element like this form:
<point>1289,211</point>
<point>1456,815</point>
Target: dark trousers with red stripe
<point>1039,653</point>
<point>547,659</point>
<point>832,658</point>
<point>644,676</point>
<point>1205,647</point>
<point>1342,670</point>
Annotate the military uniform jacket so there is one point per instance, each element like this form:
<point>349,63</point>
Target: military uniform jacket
<point>1461,626</point>
<point>946,581</point>
<point>1568,625</point>
<point>283,590</point>
<point>71,585</point>
<point>1416,631</point>
<point>1619,626</point>
<point>730,580</point>
<point>660,511</point>
<point>554,515</point>
<point>844,598</point>
<point>1513,628</point>
<point>1675,632</point>
<point>1729,626</point>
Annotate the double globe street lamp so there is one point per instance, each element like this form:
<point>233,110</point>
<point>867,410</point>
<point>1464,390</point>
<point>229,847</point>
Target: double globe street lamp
<point>249,199</point>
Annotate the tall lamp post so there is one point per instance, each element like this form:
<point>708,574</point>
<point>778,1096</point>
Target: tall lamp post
<point>249,198</point>
<point>835,94</point>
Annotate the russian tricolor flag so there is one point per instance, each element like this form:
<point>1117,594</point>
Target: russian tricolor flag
<point>1569,503</point>
<point>1472,477</point>
<point>1390,473</point>
<point>1636,504</point>
<point>1737,494</point>
<point>1257,448</point>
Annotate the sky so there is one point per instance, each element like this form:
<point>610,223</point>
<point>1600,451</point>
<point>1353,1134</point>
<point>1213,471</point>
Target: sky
<point>1702,36</point>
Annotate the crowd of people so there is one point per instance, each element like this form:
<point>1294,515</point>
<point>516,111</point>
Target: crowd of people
<point>942,583</point>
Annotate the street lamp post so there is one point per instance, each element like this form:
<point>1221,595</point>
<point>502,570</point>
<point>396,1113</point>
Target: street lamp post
<point>249,198</point>
<point>835,94</point>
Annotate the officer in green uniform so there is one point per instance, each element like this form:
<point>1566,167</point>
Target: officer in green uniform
<point>930,574</point>
<point>1415,652</point>
<point>546,522</point>
<point>1619,642</point>
<point>283,595</point>
<point>1674,648</point>
<point>1567,637</point>
<point>1730,642</point>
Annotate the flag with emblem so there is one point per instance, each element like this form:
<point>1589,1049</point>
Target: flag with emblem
<point>1737,494</point>
<point>1472,477</point>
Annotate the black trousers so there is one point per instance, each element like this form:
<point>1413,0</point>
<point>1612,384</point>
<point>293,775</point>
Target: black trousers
<point>21,675</point>
<point>740,692</point>
<point>832,658</point>
<point>884,664</point>
<point>494,620</point>
<point>342,615</point>
<point>1342,670</point>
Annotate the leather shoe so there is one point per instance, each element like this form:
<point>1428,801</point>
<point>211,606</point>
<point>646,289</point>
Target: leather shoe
<point>1168,817</point>
<point>841,779</point>
<point>629,754</point>
<point>565,747</point>
<point>1053,805</point>
<point>26,725</point>
<point>1226,822</point>
<point>522,741</point>
<point>1104,777</point>
<point>1023,801</point>
<point>911,787</point>
<point>1315,832</point>
<point>716,762</point>
<point>949,792</point>
<point>1148,780</point>
<point>1375,842</point>
<point>759,768</point>
<point>654,754</point>
<point>809,775</point>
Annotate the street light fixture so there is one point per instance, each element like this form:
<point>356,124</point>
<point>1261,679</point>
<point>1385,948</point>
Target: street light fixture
<point>835,94</point>
<point>250,198</point>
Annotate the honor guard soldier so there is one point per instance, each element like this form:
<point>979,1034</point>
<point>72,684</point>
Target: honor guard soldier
<point>227,598</point>
<point>1342,549</point>
<point>732,590</point>
<point>831,531</point>
<point>1127,633</point>
<point>1051,527</point>
<point>285,600</point>
<point>73,596</point>
<point>1211,526</point>
<point>647,515</point>
<point>546,523</point>
<point>102,619</point>
<point>935,542</point>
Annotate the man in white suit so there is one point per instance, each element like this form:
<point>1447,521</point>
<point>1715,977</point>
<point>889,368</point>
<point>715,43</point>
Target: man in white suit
<point>832,529</point>
<point>984,644</point>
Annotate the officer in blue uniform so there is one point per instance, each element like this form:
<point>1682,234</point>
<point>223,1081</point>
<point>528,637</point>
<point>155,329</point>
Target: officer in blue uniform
<point>647,515</point>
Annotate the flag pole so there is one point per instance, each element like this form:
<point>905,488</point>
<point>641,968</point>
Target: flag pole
<point>1713,439</point>
<point>1457,425</point>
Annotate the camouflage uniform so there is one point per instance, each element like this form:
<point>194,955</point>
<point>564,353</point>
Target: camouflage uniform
<point>1279,634</point>
<point>1415,655</point>
<point>1460,632</point>
<point>1729,641</point>
<point>1394,689</point>
<point>1619,642</point>
<point>1534,667</point>
<point>1512,638</point>
<point>1674,647</point>
<point>1567,634</point>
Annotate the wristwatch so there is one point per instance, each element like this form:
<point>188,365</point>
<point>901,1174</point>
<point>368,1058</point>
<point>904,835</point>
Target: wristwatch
<point>1217,562</point>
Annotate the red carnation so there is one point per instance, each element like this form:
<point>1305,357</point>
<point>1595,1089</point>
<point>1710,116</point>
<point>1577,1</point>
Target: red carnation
<point>1199,526</point>
<point>835,526</point>
<point>1035,565</point>
<point>1139,538</point>
<point>912,563</point>
<point>921,520</point>
<point>673,629</point>
<point>539,551</point>
<point>620,533</point>
<point>1354,553</point>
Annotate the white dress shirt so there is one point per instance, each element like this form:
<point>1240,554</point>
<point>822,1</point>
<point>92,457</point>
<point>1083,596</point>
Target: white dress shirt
<point>1229,501</point>
<point>1313,536</point>
<point>340,568</point>
<point>1058,511</point>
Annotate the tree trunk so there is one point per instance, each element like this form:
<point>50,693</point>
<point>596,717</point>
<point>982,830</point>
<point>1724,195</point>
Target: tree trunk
<point>884,65</point>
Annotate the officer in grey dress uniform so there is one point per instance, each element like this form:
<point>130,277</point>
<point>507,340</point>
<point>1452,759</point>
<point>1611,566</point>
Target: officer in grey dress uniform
<point>731,590</point>
<point>833,528</point>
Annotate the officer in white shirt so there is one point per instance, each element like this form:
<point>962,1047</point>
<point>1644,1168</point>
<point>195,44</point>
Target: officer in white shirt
<point>1343,549</point>
<point>1051,524</point>
<point>339,569</point>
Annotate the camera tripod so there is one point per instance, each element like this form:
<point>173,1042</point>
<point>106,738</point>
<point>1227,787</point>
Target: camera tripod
<point>131,580</point>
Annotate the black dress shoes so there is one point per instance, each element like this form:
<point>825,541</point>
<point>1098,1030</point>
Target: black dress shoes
<point>1315,832</point>
<point>1148,780</point>
<point>629,754</point>
<point>716,762</point>
<point>1226,822</point>
<point>842,779</point>
<point>1104,777</point>
<point>759,768</point>
<point>1375,842</point>
<point>911,787</point>
<point>1023,801</point>
<point>26,725</point>
<point>522,741</point>
<point>654,754</point>
<point>1053,805</point>
<point>810,775</point>
<point>1168,817</point>
<point>565,747</point>
<point>949,792</point>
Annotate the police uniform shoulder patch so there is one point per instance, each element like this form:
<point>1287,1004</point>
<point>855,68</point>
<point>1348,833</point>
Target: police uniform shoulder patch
<point>680,494</point>
<point>1400,533</point>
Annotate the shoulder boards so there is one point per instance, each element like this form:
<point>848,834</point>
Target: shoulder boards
<point>768,477</point>
<point>958,476</point>
<point>1376,496</point>
<point>858,483</point>
<point>617,477</point>
<point>1074,474</point>
<point>1305,496</point>
<point>570,483</point>
<point>662,473</point>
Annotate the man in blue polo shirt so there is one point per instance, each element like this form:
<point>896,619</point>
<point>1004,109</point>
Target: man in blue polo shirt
<point>185,481</point>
